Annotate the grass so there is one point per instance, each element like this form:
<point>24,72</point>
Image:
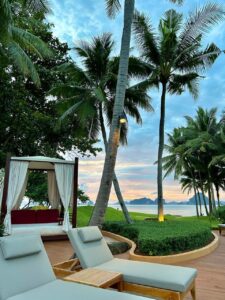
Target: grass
<point>112,214</point>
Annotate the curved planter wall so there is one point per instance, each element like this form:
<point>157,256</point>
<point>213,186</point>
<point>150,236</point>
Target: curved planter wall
<point>168,259</point>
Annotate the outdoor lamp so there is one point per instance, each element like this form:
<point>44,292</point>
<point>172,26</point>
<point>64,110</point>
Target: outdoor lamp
<point>122,118</point>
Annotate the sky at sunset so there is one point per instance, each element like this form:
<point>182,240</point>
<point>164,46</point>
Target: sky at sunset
<point>76,20</point>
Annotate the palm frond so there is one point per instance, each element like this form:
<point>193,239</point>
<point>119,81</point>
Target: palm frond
<point>71,110</point>
<point>179,2</point>
<point>178,83</point>
<point>146,38</point>
<point>74,72</point>
<point>112,7</point>
<point>200,23</point>
<point>22,61</point>
<point>6,19</point>
<point>37,5</point>
<point>67,90</point>
<point>31,42</point>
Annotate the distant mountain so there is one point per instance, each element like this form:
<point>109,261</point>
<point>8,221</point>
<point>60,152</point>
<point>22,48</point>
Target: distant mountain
<point>148,201</point>
<point>192,200</point>
<point>141,201</point>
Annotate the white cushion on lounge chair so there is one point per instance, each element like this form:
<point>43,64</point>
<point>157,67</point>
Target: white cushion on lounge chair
<point>20,274</point>
<point>152,274</point>
<point>14,248</point>
<point>96,254</point>
<point>90,234</point>
<point>61,290</point>
<point>90,254</point>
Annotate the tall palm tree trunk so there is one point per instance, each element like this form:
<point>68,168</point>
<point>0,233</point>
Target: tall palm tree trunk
<point>213,197</point>
<point>217,195</point>
<point>204,200</point>
<point>200,202</point>
<point>115,180</point>
<point>210,198</point>
<point>160,154</point>
<point>196,198</point>
<point>101,204</point>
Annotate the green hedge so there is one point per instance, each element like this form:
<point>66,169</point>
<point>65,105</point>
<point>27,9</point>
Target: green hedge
<point>163,238</point>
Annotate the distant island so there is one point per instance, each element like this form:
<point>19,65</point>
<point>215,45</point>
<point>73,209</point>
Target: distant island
<point>148,201</point>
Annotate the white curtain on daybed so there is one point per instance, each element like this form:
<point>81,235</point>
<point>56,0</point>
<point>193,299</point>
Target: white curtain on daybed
<point>17,178</point>
<point>53,192</point>
<point>22,194</point>
<point>64,177</point>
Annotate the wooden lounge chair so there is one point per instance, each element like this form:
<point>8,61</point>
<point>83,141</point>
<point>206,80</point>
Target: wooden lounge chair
<point>150,279</point>
<point>26,274</point>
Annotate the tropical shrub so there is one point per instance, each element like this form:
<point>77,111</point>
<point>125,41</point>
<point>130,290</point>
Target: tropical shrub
<point>220,213</point>
<point>171,237</point>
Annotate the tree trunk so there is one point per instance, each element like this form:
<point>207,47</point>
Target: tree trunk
<point>204,200</point>
<point>217,195</point>
<point>115,180</point>
<point>210,198</point>
<point>160,154</point>
<point>213,197</point>
<point>199,201</point>
<point>196,198</point>
<point>120,199</point>
<point>101,204</point>
<point>203,194</point>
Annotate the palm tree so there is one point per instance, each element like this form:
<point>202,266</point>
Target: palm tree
<point>176,58</point>
<point>90,91</point>
<point>17,44</point>
<point>195,154</point>
<point>113,6</point>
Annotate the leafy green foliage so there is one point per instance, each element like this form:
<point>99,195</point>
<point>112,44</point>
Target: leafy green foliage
<point>28,116</point>
<point>37,188</point>
<point>164,238</point>
<point>220,214</point>
<point>17,44</point>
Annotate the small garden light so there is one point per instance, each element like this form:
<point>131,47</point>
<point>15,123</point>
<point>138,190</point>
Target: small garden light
<point>122,118</point>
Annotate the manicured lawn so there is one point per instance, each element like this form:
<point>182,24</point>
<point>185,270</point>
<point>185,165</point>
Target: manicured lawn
<point>112,214</point>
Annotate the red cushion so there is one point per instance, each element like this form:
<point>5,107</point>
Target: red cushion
<point>23,216</point>
<point>47,216</point>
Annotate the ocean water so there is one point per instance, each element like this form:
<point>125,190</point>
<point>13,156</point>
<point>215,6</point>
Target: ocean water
<point>179,210</point>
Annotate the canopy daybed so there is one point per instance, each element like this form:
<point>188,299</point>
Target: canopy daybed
<point>62,191</point>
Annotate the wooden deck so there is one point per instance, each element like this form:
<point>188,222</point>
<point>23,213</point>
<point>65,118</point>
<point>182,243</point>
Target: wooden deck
<point>211,268</point>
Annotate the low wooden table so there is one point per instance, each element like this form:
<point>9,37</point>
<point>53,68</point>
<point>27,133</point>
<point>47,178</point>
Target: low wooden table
<point>97,278</point>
